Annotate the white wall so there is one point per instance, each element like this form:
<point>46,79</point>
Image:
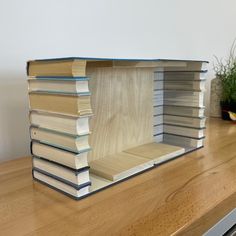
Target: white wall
<point>186,29</point>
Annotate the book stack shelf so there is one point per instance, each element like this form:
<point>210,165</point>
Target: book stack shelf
<point>97,122</point>
<point>179,106</point>
<point>59,116</point>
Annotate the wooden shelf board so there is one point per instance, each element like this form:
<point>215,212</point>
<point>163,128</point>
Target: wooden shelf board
<point>133,63</point>
<point>119,166</point>
<point>120,98</point>
<point>134,160</point>
<point>158,152</point>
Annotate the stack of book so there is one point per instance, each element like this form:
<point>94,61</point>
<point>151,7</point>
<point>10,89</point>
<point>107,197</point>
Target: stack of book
<point>60,108</point>
<point>179,107</point>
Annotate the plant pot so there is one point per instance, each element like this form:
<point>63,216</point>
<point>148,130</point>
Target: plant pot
<point>225,107</point>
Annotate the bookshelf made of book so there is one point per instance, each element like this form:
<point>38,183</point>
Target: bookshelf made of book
<point>97,122</point>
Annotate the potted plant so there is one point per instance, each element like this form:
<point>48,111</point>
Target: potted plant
<point>226,73</point>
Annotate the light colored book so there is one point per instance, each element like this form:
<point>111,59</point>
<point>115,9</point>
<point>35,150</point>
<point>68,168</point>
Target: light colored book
<point>183,141</point>
<point>70,159</point>
<point>61,186</point>
<point>179,75</point>
<point>184,111</point>
<point>184,121</point>
<point>184,131</point>
<point>59,85</point>
<point>157,110</point>
<point>61,123</point>
<point>157,120</point>
<point>158,129</point>
<point>183,98</point>
<point>158,152</point>
<point>158,97</point>
<point>68,104</point>
<point>158,138</point>
<point>62,140</point>
<point>158,84</point>
<point>57,67</point>
<point>119,166</point>
<point>185,85</point>
<point>75,177</point>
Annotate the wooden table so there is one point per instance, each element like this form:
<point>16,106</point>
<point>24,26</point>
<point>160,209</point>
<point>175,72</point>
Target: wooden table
<point>183,197</point>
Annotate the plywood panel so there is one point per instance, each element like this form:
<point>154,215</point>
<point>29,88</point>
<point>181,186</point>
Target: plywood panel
<point>158,152</point>
<point>135,63</point>
<point>122,107</point>
<point>119,166</point>
<point>124,63</point>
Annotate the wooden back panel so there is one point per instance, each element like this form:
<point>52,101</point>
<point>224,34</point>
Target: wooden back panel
<point>123,109</point>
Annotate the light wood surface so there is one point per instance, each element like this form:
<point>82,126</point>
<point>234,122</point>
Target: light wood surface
<point>120,166</point>
<point>156,151</point>
<point>122,107</point>
<point>124,164</point>
<point>173,199</point>
<point>133,64</point>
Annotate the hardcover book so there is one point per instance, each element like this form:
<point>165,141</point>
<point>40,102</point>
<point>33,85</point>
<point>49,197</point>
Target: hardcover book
<point>56,85</point>
<point>68,104</point>
<point>74,125</point>
<point>60,156</point>
<point>76,178</point>
<point>57,67</point>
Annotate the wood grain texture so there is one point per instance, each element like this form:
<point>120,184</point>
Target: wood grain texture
<point>122,107</point>
<point>135,64</point>
<point>119,166</point>
<point>146,64</point>
<point>171,199</point>
<point>154,150</point>
<point>134,160</point>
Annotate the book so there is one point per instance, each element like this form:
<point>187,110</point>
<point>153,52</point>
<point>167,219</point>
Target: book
<point>183,141</point>
<point>62,140</point>
<point>60,111</point>
<point>158,84</point>
<point>158,129</point>
<point>157,120</point>
<point>158,152</point>
<point>184,131</point>
<point>57,67</point>
<point>76,104</point>
<point>184,111</point>
<point>73,86</point>
<point>184,121</point>
<point>183,98</point>
<point>195,85</point>
<point>158,138</point>
<point>179,76</point>
<point>72,177</point>
<point>158,98</point>
<point>119,166</point>
<point>75,192</point>
<point>70,159</point>
<point>61,123</point>
<point>157,110</point>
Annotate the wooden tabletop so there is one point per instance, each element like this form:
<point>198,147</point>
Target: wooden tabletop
<point>183,197</point>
